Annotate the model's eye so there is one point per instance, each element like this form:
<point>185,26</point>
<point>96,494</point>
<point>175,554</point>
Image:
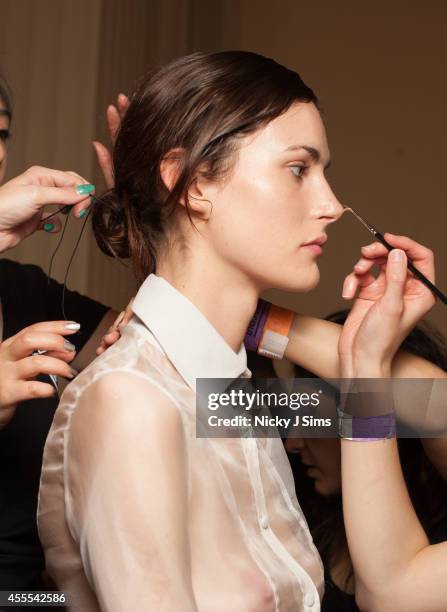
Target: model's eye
<point>4,135</point>
<point>297,171</point>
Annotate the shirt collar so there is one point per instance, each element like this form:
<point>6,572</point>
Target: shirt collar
<point>189,340</point>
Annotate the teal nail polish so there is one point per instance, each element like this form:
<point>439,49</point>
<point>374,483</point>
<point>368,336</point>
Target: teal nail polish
<point>85,189</point>
<point>48,227</point>
<point>83,213</point>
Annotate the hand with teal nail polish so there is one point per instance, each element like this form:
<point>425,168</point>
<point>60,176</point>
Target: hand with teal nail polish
<point>22,202</point>
<point>85,189</point>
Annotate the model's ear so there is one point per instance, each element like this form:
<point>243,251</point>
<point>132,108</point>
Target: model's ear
<point>170,168</point>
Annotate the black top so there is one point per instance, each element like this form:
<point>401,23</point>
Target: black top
<point>336,600</point>
<point>28,298</point>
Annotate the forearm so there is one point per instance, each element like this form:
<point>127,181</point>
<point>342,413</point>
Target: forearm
<point>383,531</point>
<point>313,345</point>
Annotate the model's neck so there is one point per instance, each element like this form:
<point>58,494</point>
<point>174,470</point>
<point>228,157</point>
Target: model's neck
<point>223,295</point>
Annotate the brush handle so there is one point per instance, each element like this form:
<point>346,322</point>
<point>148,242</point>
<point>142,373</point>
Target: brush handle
<point>414,270</point>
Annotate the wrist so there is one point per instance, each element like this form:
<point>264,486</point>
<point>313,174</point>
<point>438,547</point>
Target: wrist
<point>369,369</point>
<point>370,372</point>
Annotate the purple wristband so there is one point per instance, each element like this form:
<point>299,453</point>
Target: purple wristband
<point>368,429</point>
<point>256,326</point>
<point>364,428</point>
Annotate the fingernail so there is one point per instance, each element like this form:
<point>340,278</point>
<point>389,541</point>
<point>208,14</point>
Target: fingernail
<point>347,288</point>
<point>85,189</point>
<point>48,227</point>
<point>118,320</point>
<point>69,346</point>
<point>73,326</point>
<point>83,213</point>
<point>397,255</point>
<point>73,372</point>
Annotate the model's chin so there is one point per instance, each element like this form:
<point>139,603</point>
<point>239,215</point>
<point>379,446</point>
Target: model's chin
<point>309,280</point>
<point>299,281</point>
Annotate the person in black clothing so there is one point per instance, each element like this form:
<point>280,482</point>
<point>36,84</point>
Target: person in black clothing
<point>30,319</point>
<point>27,298</point>
<point>317,472</point>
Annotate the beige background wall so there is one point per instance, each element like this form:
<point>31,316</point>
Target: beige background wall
<point>378,69</point>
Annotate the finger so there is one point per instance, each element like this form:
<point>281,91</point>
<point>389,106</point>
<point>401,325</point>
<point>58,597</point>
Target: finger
<point>52,226</point>
<point>110,338</point>
<point>53,327</point>
<point>83,204</point>
<point>28,342</point>
<point>128,313</point>
<point>396,276</point>
<point>118,320</point>
<point>122,104</point>
<point>41,364</point>
<point>375,249</point>
<point>105,163</point>
<point>33,389</point>
<point>353,282</point>
<point>364,265</point>
<point>107,340</point>
<point>41,196</point>
<point>413,249</point>
<point>421,256</point>
<point>47,177</point>
<point>113,122</point>
<point>63,356</point>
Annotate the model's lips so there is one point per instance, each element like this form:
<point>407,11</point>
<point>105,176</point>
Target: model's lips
<point>319,241</point>
<point>316,245</point>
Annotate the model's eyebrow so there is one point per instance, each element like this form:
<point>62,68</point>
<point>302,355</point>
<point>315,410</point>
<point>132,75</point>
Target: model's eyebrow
<point>314,153</point>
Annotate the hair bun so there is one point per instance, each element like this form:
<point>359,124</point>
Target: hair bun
<point>109,225</point>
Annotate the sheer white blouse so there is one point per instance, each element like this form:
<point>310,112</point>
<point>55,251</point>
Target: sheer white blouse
<point>136,513</point>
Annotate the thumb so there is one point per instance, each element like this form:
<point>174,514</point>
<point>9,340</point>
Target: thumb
<point>396,276</point>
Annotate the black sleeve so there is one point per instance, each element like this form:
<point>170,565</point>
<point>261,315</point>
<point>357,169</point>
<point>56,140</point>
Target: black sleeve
<point>28,296</point>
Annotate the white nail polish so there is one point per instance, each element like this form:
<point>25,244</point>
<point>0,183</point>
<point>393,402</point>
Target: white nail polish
<point>73,326</point>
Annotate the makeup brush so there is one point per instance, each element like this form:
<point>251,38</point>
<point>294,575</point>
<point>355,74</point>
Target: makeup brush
<point>372,230</point>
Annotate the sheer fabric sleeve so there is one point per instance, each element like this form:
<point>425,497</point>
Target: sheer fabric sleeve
<point>126,495</point>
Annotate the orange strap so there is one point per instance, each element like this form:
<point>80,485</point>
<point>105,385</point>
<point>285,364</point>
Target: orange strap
<point>279,321</point>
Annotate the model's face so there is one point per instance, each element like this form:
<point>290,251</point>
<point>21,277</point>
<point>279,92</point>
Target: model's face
<point>322,458</point>
<point>4,135</point>
<point>275,200</point>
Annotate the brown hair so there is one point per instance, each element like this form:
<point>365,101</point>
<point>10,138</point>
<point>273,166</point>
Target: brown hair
<point>5,99</point>
<point>200,103</point>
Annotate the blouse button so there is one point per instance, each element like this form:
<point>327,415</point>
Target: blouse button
<point>264,522</point>
<point>309,599</point>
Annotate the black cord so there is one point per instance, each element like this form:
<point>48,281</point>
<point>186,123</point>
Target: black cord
<point>63,209</point>
<point>56,250</point>
<point>66,209</point>
<point>71,261</point>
